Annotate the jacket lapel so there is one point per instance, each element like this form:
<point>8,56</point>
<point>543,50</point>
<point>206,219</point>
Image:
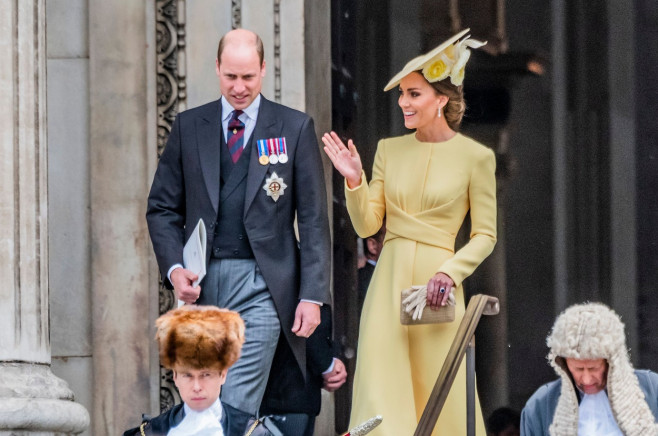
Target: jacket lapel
<point>267,126</point>
<point>209,139</point>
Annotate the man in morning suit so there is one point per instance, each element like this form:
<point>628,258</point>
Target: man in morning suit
<point>246,166</point>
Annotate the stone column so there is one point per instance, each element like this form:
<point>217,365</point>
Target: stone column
<point>32,399</point>
<point>121,72</point>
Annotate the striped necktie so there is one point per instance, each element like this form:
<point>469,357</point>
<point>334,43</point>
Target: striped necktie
<point>235,139</point>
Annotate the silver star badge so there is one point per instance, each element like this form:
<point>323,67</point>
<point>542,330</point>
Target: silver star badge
<point>274,186</point>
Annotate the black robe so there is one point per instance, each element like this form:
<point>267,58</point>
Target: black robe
<point>160,425</point>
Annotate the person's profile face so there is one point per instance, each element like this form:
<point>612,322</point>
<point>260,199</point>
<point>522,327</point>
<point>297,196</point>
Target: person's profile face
<point>590,376</point>
<point>419,101</point>
<point>240,74</point>
<point>199,388</point>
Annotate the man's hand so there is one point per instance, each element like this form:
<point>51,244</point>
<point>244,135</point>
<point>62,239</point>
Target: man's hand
<point>307,318</point>
<point>182,280</point>
<point>335,379</point>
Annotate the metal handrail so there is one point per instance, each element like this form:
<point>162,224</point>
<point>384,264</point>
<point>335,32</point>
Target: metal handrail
<point>462,345</point>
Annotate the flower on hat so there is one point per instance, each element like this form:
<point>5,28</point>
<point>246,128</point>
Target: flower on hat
<point>459,68</point>
<point>438,69</point>
<point>440,66</point>
<point>451,62</point>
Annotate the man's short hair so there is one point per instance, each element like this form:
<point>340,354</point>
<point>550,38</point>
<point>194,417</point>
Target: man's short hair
<point>259,48</point>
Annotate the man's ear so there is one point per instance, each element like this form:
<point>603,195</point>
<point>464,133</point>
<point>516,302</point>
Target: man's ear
<point>372,244</point>
<point>262,69</point>
<point>217,66</point>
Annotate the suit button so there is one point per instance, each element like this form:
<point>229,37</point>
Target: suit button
<point>236,252</point>
<point>217,251</point>
<point>211,226</point>
<point>241,237</point>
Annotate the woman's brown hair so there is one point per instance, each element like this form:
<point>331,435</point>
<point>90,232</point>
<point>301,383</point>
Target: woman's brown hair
<point>456,106</point>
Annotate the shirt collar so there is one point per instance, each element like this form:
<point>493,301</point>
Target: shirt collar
<point>251,110</point>
<point>215,408</point>
<point>204,423</point>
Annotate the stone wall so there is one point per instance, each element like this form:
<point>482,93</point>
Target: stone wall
<point>68,184</point>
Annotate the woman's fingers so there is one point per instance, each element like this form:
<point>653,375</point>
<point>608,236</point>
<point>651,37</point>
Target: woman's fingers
<point>332,141</point>
<point>444,296</point>
<point>336,138</point>
<point>329,145</point>
<point>344,158</point>
<point>352,148</point>
<point>432,293</point>
<point>439,288</point>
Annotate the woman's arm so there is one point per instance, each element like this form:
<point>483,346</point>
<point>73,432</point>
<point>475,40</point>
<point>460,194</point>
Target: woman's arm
<point>366,203</point>
<point>482,198</point>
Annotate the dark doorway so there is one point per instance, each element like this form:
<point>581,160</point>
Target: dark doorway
<point>359,111</point>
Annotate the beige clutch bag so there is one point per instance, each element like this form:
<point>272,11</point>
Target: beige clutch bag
<point>413,309</point>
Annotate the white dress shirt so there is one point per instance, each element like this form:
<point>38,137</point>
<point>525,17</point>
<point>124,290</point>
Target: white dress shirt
<point>248,117</point>
<point>595,416</point>
<point>204,423</point>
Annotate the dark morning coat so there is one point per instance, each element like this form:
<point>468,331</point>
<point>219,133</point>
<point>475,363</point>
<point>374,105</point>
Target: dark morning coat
<point>287,390</point>
<point>186,187</point>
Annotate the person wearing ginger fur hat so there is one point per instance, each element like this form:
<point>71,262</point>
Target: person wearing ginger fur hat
<point>598,393</point>
<point>199,343</point>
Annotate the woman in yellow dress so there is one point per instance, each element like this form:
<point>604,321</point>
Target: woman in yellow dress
<point>424,183</point>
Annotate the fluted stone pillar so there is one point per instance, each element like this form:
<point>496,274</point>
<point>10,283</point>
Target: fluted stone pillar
<point>121,72</point>
<point>32,400</point>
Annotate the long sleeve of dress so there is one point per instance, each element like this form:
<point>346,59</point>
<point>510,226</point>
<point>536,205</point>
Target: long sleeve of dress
<point>366,203</point>
<point>482,196</point>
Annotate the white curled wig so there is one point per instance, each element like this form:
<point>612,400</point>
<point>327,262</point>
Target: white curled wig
<point>593,331</point>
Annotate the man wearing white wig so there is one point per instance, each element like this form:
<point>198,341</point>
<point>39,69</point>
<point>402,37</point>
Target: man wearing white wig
<point>598,393</point>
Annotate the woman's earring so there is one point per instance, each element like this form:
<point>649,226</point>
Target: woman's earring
<point>439,114</point>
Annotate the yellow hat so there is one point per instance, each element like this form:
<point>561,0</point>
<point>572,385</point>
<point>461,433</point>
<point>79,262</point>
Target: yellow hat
<point>446,60</point>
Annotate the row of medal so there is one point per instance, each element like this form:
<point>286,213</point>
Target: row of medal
<point>272,151</point>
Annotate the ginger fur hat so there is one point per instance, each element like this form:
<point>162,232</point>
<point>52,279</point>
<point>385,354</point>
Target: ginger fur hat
<point>593,331</point>
<point>200,337</point>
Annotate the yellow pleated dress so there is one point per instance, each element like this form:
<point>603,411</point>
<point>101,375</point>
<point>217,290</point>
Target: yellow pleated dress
<point>425,190</point>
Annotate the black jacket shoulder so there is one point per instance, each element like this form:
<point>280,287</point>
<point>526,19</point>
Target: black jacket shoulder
<point>160,425</point>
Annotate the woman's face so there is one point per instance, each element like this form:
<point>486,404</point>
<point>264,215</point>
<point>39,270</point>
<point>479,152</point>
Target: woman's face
<point>419,101</point>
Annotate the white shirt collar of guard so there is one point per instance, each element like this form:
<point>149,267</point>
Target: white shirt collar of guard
<point>204,423</point>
